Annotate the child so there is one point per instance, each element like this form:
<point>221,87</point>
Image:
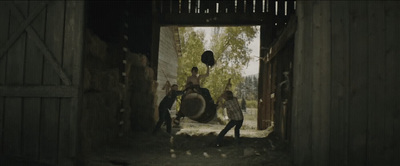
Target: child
<point>234,114</point>
<point>164,107</point>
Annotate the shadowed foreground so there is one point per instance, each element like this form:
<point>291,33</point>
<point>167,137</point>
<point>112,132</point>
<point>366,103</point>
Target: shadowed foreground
<point>183,149</point>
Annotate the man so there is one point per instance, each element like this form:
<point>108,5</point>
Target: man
<point>234,114</point>
<point>164,107</point>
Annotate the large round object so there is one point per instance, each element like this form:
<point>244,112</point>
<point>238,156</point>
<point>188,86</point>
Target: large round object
<point>196,108</point>
<point>208,58</point>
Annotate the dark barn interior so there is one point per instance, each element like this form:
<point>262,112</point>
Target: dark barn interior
<point>75,75</point>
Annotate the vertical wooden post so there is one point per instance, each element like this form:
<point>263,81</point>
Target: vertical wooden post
<point>266,36</point>
<point>74,44</point>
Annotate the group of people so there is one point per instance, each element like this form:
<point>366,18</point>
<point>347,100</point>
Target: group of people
<point>226,100</point>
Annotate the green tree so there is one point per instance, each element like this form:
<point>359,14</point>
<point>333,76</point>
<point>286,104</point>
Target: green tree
<point>192,46</point>
<point>231,53</point>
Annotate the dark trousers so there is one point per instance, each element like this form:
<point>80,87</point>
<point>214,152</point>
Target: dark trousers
<point>231,123</point>
<point>164,116</point>
<point>207,95</point>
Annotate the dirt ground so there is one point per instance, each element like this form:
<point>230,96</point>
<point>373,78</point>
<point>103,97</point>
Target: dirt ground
<point>193,144</point>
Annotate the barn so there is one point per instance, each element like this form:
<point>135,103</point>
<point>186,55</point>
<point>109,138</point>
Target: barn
<point>77,74</point>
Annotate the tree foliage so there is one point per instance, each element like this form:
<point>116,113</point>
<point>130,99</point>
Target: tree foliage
<point>248,88</point>
<point>231,53</point>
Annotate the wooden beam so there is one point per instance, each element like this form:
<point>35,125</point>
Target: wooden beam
<point>219,19</point>
<point>38,91</point>
<point>287,34</point>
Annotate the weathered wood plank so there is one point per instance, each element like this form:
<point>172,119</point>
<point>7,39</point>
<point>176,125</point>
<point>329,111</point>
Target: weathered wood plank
<point>175,6</point>
<point>193,6</point>
<point>38,91</point>
<point>358,100</point>
<point>50,58</point>
<point>49,123</point>
<point>392,80</point>
<point>12,126</point>
<point>297,83</point>
<point>303,108</point>
<point>2,113</point>
<point>73,48</point>
<point>306,128</point>
<point>396,81</point>
<point>165,6</point>
<point>230,5</point>
<point>272,88</point>
<point>31,128</point>
<point>4,21</point>
<point>14,76</point>
<point>249,6</point>
<point>54,36</point>
<point>259,6</point>
<point>266,36</point>
<point>4,30</point>
<point>33,76</point>
<point>281,14</point>
<point>272,7</point>
<point>16,53</point>
<point>213,6</point>
<point>340,83</point>
<point>51,106</point>
<point>376,82</point>
<point>287,34</point>
<point>34,57</point>
<point>321,82</point>
<point>70,54</point>
<point>184,6</point>
<point>240,6</point>
<point>290,7</point>
<point>65,137</point>
<point>298,70</point>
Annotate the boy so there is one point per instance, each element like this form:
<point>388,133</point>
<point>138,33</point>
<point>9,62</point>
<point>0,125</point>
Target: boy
<point>234,114</point>
<point>164,107</point>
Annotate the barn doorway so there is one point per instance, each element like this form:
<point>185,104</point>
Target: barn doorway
<point>243,68</point>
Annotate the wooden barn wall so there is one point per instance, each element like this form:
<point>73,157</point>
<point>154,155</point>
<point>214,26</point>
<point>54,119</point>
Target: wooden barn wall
<point>40,74</point>
<point>346,83</point>
<point>167,60</point>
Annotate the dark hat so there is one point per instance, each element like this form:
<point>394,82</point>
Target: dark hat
<point>208,58</point>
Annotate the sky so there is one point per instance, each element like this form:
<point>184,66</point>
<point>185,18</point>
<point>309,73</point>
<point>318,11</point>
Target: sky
<point>253,65</point>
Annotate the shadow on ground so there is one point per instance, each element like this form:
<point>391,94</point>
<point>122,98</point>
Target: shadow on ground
<point>144,148</point>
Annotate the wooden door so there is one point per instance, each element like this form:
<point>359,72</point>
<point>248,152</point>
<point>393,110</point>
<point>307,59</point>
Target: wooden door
<point>40,75</point>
